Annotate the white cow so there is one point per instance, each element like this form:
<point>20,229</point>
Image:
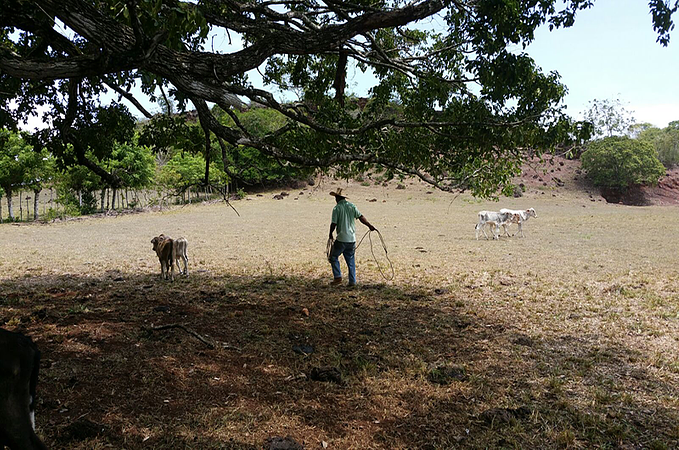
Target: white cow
<point>179,252</point>
<point>495,219</point>
<point>519,217</point>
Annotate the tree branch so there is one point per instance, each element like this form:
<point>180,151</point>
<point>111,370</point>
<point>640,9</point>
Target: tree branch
<point>129,98</point>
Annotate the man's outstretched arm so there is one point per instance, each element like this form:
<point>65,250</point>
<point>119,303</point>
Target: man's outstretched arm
<point>365,222</point>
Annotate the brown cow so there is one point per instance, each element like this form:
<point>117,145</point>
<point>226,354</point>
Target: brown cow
<point>163,246</point>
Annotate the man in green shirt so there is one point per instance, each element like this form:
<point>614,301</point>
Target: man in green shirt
<point>344,215</point>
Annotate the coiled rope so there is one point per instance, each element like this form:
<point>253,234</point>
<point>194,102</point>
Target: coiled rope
<point>331,241</point>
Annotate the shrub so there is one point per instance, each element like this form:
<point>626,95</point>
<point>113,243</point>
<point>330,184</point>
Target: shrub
<point>620,162</point>
<point>666,142</point>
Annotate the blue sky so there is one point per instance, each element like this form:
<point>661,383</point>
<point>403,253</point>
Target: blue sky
<point>611,53</point>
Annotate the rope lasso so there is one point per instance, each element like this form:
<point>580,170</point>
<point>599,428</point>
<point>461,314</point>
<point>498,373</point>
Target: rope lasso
<point>386,253</point>
<point>331,242</point>
<point>328,247</point>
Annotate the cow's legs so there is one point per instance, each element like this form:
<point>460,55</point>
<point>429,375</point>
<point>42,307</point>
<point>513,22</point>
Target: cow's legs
<point>483,227</point>
<point>172,270</point>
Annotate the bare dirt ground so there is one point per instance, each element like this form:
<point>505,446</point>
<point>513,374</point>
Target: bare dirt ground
<point>564,339</point>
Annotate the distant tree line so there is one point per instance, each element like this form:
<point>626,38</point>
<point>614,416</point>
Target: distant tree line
<point>158,161</point>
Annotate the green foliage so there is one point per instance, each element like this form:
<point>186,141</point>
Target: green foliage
<point>185,170</point>
<point>250,165</point>
<point>14,151</point>
<point>621,162</point>
<point>172,132</point>
<point>39,168</point>
<point>133,164</point>
<point>662,11</point>
<point>102,128</point>
<point>452,104</point>
<point>76,203</point>
<point>74,183</point>
<point>665,141</point>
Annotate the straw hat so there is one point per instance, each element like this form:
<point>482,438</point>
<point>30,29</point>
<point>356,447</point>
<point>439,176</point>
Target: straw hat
<point>338,193</point>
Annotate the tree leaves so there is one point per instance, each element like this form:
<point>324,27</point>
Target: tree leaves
<point>454,103</point>
<point>621,162</point>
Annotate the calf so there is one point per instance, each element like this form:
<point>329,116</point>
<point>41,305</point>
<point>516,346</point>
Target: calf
<point>495,219</point>
<point>164,248</point>
<point>519,217</point>
<point>19,363</point>
<point>179,251</point>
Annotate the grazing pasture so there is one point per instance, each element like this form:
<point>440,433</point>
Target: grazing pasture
<point>567,338</point>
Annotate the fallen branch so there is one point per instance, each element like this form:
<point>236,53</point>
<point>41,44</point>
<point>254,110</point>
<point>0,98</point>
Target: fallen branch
<point>209,344</point>
<point>231,347</point>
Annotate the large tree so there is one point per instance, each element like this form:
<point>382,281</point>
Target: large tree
<point>456,104</point>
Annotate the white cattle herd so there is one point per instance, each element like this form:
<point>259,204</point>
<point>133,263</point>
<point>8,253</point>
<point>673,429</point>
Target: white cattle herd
<point>503,218</point>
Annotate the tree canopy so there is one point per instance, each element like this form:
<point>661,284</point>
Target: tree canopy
<point>456,105</point>
<point>619,162</point>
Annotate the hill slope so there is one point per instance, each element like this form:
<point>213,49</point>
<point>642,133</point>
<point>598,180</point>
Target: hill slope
<point>563,177</point>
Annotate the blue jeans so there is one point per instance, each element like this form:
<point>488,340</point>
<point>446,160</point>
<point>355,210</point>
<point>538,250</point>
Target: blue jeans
<point>347,249</point>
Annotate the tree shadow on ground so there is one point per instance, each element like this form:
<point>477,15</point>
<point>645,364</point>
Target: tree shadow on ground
<point>111,376</point>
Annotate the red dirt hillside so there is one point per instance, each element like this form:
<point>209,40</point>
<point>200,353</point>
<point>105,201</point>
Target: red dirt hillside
<point>560,176</point>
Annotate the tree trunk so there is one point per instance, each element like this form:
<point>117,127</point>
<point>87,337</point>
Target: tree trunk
<point>0,209</point>
<point>36,204</point>
<point>102,196</point>
<point>113,198</point>
<point>9,205</point>
<point>108,199</point>
<point>80,199</point>
<point>21,207</point>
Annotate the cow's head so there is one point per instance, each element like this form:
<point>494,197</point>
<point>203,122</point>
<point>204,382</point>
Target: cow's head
<point>155,242</point>
<point>531,212</point>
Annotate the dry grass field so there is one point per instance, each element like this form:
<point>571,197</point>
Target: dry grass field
<point>567,338</point>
